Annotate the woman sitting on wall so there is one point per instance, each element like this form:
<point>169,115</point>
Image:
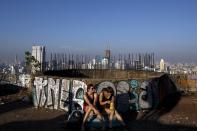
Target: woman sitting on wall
<point>107,102</point>
<point>90,101</point>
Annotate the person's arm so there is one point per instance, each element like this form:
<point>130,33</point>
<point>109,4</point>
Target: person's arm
<point>91,106</point>
<point>95,99</point>
<point>101,98</point>
<point>87,101</point>
<point>113,101</point>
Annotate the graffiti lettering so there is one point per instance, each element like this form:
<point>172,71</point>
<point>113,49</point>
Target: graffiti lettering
<point>54,93</point>
<point>39,97</point>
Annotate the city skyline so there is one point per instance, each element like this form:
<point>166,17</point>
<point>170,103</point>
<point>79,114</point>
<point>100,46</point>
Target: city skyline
<point>167,28</point>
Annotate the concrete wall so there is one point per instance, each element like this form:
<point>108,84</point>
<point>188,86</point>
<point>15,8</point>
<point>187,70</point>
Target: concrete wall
<point>103,74</point>
<point>52,92</point>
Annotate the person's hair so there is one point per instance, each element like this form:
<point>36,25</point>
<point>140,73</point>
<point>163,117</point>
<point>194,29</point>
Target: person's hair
<point>110,90</point>
<point>104,89</point>
<point>89,85</point>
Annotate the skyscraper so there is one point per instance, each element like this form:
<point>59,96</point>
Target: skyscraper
<point>16,59</point>
<point>162,65</point>
<point>39,54</point>
<point>107,54</point>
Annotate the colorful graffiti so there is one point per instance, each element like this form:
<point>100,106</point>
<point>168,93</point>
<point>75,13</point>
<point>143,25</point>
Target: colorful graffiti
<point>133,101</point>
<point>134,84</point>
<point>130,94</point>
<point>54,94</point>
<point>133,94</point>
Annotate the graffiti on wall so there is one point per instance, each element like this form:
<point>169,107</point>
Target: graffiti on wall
<point>145,96</point>
<point>122,96</point>
<point>24,80</point>
<point>78,90</point>
<point>130,94</point>
<point>64,94</point>
<point>54,94</point>
<point>133,94</point>
<point>105,84</point>
<point>39,95</point>
<point>134,84</point>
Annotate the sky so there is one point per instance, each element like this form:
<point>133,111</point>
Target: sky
<point>166,27</point>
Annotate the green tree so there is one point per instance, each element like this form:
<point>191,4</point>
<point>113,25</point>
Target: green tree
<point>32,65</point>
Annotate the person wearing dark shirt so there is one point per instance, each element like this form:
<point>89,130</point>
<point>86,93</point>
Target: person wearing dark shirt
<point>107,102</point>
<point>90,101</point>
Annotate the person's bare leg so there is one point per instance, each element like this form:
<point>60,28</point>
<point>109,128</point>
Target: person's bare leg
<point>111,118</point>
<point>85,117</point>
<point>86,114</point>
<point>119,118</point>
<point>110,115</point>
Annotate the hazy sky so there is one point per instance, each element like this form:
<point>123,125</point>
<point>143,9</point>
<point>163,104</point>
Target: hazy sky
<point>166,27</point>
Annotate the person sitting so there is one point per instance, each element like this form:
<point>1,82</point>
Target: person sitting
<point>107,102</point>
<point>90,101</point>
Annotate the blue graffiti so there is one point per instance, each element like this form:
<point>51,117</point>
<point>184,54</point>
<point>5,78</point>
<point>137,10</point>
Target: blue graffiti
<point>134,83</point>
<point>79,94</point>
<point>134,106</point>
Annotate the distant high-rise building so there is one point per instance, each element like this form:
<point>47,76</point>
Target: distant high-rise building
<point>162,65</point>
<point>16,59</point>
<point>13,70</point>
<point>105,63</point>
<point>137,65</point>
<point>120,64</point>
<point>39,54</point>
<point>107,54</point>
